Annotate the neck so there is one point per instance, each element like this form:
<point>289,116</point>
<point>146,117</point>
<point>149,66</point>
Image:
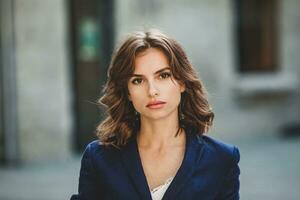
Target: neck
<point>158,134</point>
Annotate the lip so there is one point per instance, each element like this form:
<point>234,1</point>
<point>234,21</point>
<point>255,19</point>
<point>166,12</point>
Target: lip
<point>155,104</point>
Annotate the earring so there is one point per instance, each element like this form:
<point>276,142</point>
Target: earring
<point>136,115</point>
<point>136,120</point>
<point>181,116</point>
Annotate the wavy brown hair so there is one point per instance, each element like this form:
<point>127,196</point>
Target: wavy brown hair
<point>121,122</point>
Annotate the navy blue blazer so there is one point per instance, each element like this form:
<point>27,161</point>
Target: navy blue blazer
<point>209,171</point>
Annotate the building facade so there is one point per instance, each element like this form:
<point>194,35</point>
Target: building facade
<point>44,56</point>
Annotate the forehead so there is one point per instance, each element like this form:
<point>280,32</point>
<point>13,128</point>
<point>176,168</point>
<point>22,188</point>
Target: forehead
<point>150,60</point>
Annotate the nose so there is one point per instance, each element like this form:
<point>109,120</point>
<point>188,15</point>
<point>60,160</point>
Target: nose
<point>153,90</point>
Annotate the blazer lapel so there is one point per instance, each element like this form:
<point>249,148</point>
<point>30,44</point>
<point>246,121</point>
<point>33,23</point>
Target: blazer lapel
<point>193,153</point>
<point>133,164</point>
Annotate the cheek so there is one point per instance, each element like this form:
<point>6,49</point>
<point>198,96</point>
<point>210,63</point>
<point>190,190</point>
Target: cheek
<point>174,89</point>
<point>175,94</point>
<point>137,102</point>
<point>135,95</point>
<point>131,92</point>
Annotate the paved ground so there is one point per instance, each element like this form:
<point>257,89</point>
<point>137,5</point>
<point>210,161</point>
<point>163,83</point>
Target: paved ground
<point>55,181</point>
<point>270,171</point>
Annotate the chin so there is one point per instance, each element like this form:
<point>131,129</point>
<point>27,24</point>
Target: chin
<point>158,115</point>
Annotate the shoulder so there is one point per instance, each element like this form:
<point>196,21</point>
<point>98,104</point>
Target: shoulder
<point>220,151</point>
<point>96,150</point>
<point>94,147</point>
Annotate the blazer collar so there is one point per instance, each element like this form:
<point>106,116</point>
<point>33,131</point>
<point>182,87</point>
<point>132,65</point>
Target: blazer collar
<point>193,153</point>
<point>133,164</point>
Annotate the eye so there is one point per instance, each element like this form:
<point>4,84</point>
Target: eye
<point>137,81</point>
<point>164,75</point>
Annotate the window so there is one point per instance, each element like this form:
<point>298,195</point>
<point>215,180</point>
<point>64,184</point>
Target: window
<point>257,36</point>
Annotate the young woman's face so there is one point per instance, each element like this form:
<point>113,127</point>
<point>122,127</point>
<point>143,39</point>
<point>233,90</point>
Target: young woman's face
<point>154,93</point>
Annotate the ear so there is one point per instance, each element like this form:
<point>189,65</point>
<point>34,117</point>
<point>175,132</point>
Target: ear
<point>182,87</point>
<point>129,97</point>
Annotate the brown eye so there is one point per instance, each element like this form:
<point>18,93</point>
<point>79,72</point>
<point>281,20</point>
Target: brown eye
<point>165,75</point>
<point>137,81</point>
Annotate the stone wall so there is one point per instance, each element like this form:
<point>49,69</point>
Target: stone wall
<point>43,80</point>
<point>244,105</point>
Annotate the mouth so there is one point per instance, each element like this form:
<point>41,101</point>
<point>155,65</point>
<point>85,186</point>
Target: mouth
<point>156,104</point>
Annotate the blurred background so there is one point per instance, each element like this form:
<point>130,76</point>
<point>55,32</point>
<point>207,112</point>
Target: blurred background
<point>53,60</point>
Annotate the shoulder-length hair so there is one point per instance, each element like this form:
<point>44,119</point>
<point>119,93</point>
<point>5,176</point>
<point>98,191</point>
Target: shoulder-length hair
<point>121,122</point>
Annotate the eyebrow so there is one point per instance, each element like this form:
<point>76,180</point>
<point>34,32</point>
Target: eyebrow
<point>157,72</point>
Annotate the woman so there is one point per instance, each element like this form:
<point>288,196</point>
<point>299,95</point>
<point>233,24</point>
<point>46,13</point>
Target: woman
<point>151,144</point>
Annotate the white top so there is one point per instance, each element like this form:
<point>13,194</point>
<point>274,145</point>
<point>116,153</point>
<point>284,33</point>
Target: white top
<point>158,192</point>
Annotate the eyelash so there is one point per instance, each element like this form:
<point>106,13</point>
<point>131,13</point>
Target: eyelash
<point>163,75</point>
<point>168,74</point>
<point>134,81</point>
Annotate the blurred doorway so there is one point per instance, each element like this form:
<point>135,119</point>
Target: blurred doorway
<point>1,114</point>
<point>92,36</point>
<point>9,152</point>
